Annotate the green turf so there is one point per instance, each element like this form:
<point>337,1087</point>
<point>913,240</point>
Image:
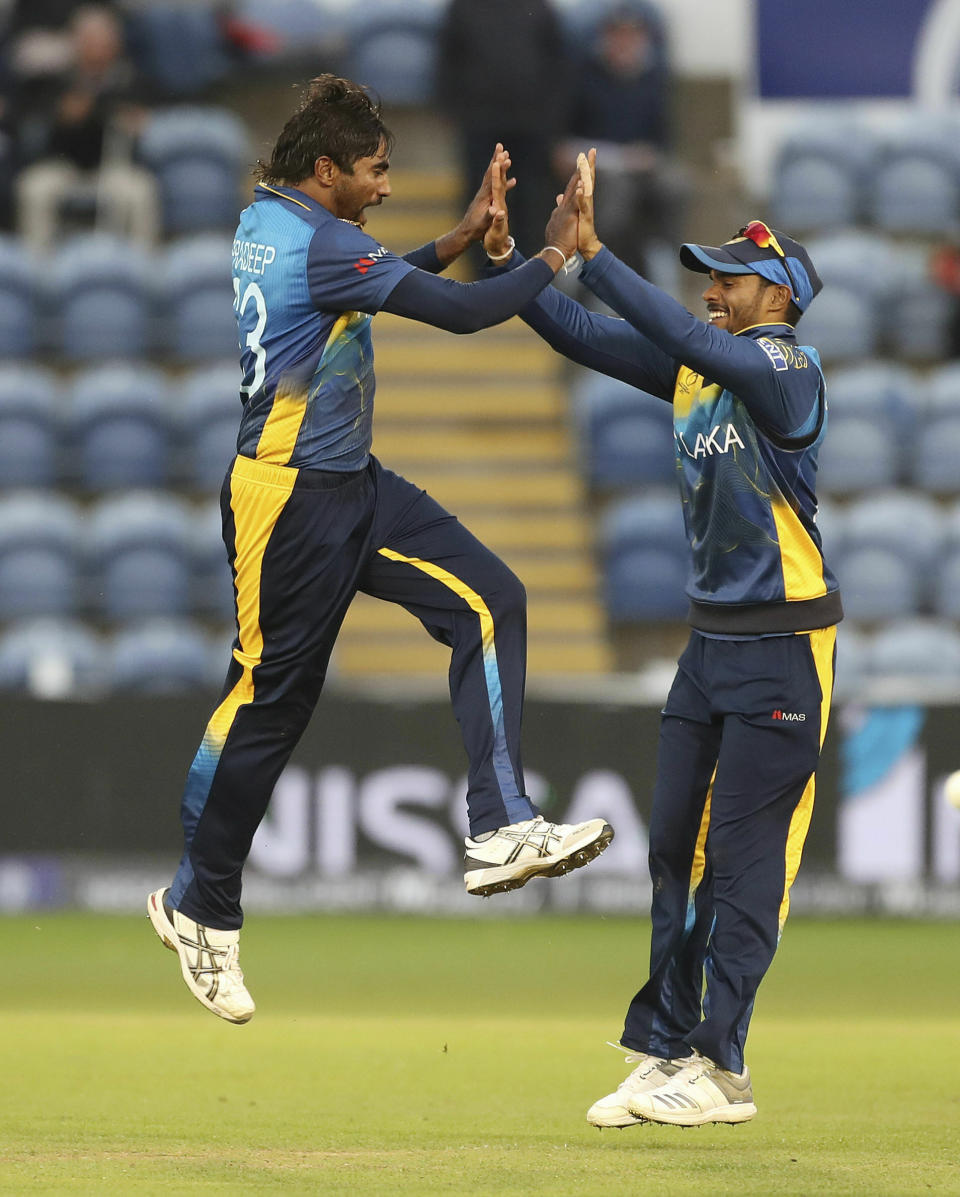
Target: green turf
<point>428,1056</point>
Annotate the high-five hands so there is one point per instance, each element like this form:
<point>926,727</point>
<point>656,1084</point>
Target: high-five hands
<point>561,231</point>
<point>588,243</point>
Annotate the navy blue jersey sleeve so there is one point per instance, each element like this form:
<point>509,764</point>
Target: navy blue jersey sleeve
<point>467,307</point>
<point>607,344</point>
<point>347,271</point>
<point>780,399</point>
<point>425,258</point>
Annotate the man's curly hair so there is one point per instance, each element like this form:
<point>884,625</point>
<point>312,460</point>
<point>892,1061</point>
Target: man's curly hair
<point>336,119</point>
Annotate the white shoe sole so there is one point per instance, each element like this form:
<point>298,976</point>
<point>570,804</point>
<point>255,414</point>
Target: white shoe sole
<point>742,1112</point>
<point>168,934</point>
<point>613,1121</point>
<point>500,879</point>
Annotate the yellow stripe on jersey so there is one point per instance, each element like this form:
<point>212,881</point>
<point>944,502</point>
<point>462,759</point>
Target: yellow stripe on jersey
<point>822,644</point>
<point>258,495</point>
<point>279,436</point>
<point>800,558</point>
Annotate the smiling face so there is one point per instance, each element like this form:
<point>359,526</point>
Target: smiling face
<point>367,185</point>
<point>738,301</point>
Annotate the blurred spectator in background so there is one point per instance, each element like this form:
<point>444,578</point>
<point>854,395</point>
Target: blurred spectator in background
<point>76,111</point>
<point>621,106</point>
<point>502,76</point>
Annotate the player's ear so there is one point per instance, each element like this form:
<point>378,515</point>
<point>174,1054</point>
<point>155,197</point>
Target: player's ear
<point>326,171</point>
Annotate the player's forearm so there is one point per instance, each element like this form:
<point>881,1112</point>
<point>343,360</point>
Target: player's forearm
<point>468,307</point>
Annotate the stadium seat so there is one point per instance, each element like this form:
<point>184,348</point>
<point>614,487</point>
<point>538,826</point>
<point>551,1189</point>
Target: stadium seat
<point>921,649</point>
<point>819,174</point>
<point>51,658</point>
<point>18,300</point>
<point>121,427</point>
<point>942,391</point>
<point>31,426</point>
<point>645,559</point>
<point>163,656</point>
<point>178,48</point>
<point>858,455</point>
<point>945,597</point>
<point>877,583</point>
<point>392,49</point>
<point>842,324</point>
<point>210,413</point>
<point>141,554</point>
<point>935,456</point>
<point>915,181</point>
<point>100,292</point>
<point>212,579</point>
<point>851,662</point>
<point>199,155</point>
<point>905,523</point>
<point>917,327</point>
<point>871,389</point>
<point>39,555</point>
<point>626,435</point>
<point>199,320</point>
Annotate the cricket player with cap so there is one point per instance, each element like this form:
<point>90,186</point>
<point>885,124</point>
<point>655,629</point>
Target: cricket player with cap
<point>744,721</point>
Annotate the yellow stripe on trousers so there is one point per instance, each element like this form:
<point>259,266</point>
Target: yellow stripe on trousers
<point>822,644</point>
<point>258,494</point>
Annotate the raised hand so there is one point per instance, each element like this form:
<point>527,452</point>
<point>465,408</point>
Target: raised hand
<point>588,243</point>
<point>497,241</point>
<point>490,200</point>
<point>561,231</point>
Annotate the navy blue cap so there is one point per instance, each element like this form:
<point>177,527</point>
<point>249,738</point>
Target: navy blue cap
<point>758,249</point>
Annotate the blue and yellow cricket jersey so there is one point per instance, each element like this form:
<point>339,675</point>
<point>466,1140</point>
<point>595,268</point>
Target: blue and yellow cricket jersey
<point>306,286</point>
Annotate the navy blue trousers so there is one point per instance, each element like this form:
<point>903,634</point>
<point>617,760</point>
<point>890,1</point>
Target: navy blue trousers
<point>740,740</point>
<point>301,543</point>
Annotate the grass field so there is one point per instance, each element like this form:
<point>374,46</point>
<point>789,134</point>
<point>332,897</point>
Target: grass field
<point>416,1056</point>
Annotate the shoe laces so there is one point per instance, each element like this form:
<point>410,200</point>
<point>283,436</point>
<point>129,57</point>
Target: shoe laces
<point>644,1061</point>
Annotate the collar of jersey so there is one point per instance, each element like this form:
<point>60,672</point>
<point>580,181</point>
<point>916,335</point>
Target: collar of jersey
<point>759,330</point>
<point>291,194</point>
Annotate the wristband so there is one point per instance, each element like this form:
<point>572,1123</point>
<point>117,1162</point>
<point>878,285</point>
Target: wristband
<point>556,249</point>
<point>511,244</point>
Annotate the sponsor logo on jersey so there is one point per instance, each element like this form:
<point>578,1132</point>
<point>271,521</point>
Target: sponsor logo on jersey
<point>789,716</point>
<point>720,439</point>
<point>774,352</point>
<point>364,264</point>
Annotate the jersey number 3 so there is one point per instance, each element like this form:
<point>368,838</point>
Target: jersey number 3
<point>253,338</point>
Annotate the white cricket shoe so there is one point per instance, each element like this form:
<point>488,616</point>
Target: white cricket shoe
<point>700,1092</point>
<point>650,1073</point>
<point>209,960</point>
<point>507,858</point>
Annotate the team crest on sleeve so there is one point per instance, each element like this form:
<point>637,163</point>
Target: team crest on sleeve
<point>774,352</point>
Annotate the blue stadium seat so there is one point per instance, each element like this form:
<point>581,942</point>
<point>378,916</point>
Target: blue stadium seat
<point>121,427</point>
<point>302,26</point>
<point>918,649</point>
<point>903,522</point>
<point>873,389</point>
<point>843,323</point>
<point>31,426</point>
<point>851,662</point>
<point>915,182</point>
<point>178,48</point>
<point>935,456</point>
<point>945,598</point>
<point>162,656</point>
<point>141,554</point>
<point>51,658</point>
<point>100,289</point>
<point>942,391</point>
<point>820,173</point>
<point>626,435</point>
<point>18,300</point>
<point>212,579</point>
<point>645,559</point>
<point>877,583</point>
<point>39,558</point>
<point>392,49</point>
<point>858,455</point>
<point>917,327</point>
<point>199,320</point>
<point>200,156</point>
<point>210,413</point>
